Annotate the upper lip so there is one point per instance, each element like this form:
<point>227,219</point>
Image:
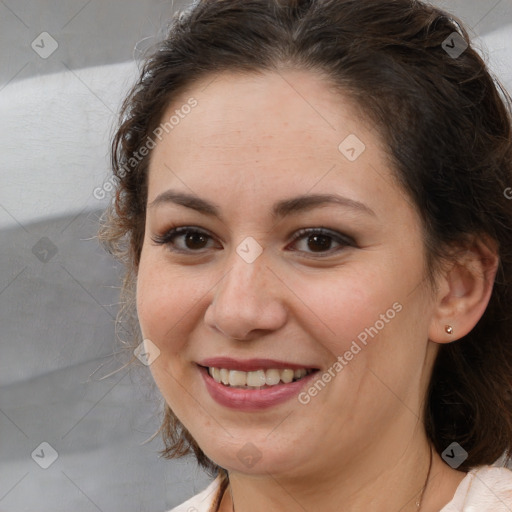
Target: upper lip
<point>249,365</point>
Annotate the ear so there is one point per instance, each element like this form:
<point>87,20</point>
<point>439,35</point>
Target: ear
<point>464,288</point>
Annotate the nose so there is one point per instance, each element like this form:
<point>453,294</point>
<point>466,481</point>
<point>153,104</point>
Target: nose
<point>246,302</point>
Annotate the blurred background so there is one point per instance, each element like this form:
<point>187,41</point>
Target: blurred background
<point>75,425</point>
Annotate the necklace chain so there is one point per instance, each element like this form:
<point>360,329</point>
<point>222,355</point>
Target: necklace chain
<point>418,503</point>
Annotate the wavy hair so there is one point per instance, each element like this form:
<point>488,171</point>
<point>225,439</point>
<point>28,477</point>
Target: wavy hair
<point>446,125</point>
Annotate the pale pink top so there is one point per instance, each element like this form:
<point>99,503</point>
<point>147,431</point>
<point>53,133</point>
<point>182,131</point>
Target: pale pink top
<point>483,489</point>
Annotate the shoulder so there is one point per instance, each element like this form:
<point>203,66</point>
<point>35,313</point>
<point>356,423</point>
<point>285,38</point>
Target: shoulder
<point>484,489</point>
<point>205,500</point>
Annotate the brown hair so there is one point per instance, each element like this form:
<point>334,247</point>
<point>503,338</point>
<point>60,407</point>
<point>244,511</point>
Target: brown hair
<point>447,127</point>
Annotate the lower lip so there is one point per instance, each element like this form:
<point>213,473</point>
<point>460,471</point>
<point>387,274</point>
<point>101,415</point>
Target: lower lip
<point>255,399</point>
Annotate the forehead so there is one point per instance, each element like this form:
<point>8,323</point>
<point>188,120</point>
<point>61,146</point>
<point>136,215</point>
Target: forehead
<point>265,133</point>
<point>266,109</point>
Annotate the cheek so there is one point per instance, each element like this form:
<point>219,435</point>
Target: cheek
<point>367,322</point>
<point>342,306</point>
<point>165,308</point>
<point>367,315</point>
<point>163,302</point>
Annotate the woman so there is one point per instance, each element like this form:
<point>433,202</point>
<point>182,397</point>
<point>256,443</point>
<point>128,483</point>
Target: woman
<point>311,205</point>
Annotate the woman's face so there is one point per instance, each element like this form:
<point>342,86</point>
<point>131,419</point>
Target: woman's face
<point>254,161</point>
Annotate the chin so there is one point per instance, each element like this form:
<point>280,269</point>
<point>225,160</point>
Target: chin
<point>255,458</point>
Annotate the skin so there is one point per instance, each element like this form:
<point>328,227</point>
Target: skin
<point>251,141</point>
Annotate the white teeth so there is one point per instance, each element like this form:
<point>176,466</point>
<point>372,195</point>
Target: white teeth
<point>287,376</point>
<point>256,379</point>
<point>224,376</point>
<point>272,377</point>
<point>298,374</point>
<point>216,374</point>
<point>237,378</point>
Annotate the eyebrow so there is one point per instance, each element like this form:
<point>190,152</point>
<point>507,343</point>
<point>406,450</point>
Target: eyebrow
<point>280,209</point>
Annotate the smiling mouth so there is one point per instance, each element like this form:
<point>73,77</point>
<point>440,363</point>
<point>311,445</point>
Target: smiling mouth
<point>259,379</point>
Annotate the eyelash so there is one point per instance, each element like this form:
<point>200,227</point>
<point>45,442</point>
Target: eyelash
<point>168,238</point>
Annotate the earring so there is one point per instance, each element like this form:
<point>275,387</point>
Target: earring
<point>448,329</point>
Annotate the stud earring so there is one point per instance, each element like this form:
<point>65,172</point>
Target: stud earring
<point>448,329</point>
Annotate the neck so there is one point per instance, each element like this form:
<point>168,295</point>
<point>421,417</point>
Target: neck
<point>387,481</point>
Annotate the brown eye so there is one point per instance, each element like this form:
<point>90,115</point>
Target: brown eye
<point>320,241</point>
<point>183,239</point>
<point>195,240</point>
